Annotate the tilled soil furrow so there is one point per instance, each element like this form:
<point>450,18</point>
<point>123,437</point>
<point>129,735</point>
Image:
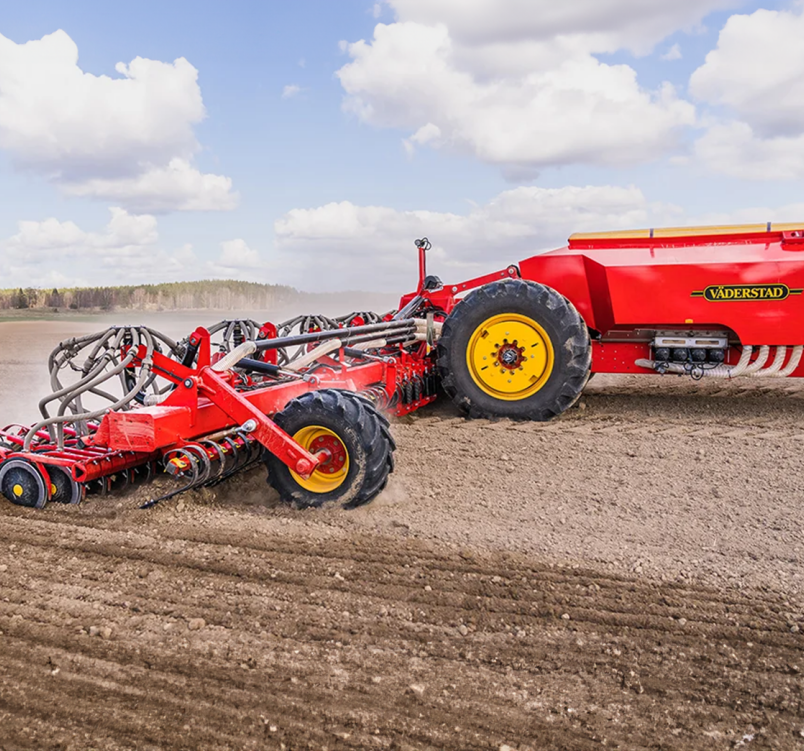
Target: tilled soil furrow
<point>518,602</point>
<point>514,636</point>
<point>259,565</point>
<point>152,550</point>
<point>41,534</point>
<point>227,698</point>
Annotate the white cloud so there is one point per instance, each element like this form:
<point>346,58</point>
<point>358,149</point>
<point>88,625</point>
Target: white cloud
<point>674,53</point>
<point>290,91</point>
<point>572,109</point>
<point>592,25</point>
<point>237,254</point>
<point>734,149</point>
<point>125,251</point>
<point>82,131</point>
<point>344,246</point>
<point>789,213</point>
<point>376,10</point>
<point>176,187</point>
<point>237,261</point>
<point>757,71</point>
<point>756,74</point>
<point>38,240</point>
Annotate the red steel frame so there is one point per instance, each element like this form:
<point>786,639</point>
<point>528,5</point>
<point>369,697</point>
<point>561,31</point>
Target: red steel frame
<point>205,402</point>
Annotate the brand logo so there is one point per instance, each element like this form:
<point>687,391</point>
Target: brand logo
<point>744,292</point>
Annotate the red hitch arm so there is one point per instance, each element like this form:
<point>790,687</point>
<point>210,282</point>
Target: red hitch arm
<point>267,432</point>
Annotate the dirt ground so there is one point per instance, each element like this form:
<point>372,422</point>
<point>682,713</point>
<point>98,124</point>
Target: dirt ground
<point>628,576</point>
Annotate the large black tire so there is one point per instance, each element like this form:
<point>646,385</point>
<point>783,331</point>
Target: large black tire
<point>557,317</point>
<point>364,433</point>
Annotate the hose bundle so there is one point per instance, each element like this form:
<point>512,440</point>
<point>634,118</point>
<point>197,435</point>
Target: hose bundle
<point>99,360</point>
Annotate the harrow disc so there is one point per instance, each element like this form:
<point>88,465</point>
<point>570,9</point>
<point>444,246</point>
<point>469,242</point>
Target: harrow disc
<point>21,483</point>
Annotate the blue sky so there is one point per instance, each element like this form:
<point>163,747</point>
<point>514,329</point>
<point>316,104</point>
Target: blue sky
<point>316,148</point>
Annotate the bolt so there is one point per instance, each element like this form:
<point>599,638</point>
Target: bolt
<point>188,383</point>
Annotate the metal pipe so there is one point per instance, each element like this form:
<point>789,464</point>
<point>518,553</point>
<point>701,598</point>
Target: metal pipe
<point>230,359</point>
<point>321,350</point>
<point>409,309</point>
<point>345,334</point>
<point>392,335</point>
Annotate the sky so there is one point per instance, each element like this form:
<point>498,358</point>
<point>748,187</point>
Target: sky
<point>310,142</point>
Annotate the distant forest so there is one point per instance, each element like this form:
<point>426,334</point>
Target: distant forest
<point>211,295</point>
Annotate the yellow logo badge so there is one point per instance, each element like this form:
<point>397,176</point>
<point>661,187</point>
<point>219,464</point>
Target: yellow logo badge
<point>746,292</point>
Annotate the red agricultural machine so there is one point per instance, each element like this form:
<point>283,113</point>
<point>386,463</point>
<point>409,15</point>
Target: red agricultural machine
<point>309,397</point>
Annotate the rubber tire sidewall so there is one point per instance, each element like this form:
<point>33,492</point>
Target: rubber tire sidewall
<point>363,432</point>
<point>562,324</point>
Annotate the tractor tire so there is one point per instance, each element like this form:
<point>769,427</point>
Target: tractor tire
<point>358,436</point>
<point>514,349</point>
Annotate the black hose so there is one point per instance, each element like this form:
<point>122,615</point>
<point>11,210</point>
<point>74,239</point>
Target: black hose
<point>349,334</point>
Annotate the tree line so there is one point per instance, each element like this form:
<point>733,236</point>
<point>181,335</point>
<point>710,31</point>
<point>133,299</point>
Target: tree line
<point>209,294</point>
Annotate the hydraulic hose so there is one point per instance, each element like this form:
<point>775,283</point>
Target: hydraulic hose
<point>776,365</point>
<point>759,363</point>
<point>792,364</point>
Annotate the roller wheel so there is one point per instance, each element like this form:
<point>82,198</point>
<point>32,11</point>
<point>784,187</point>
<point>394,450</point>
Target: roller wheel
<point>63,489</point>
<point>22,483</point>
<point>514,349</point>
<point>358,443</point>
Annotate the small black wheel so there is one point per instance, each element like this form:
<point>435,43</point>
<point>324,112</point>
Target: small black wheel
<point>22,484</point>
<point>514,349</point>
<point>355,439</point>
<point>63,489</point>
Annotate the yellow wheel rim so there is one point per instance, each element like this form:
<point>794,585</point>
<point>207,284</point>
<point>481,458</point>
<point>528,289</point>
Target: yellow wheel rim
<point>510,356</point>
<point>18,490</point>
<point>331,473</point>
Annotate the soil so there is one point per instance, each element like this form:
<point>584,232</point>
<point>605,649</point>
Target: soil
<point>628,576</point>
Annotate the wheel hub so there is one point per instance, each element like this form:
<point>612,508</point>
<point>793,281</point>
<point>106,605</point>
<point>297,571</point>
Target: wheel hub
<point>331,451</point>
<point>510,356</point>
<point>333,467</point>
